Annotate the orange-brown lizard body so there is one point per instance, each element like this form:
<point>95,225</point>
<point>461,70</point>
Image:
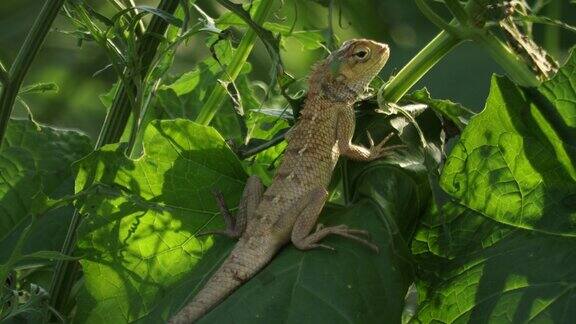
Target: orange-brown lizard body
<point>289,208</point>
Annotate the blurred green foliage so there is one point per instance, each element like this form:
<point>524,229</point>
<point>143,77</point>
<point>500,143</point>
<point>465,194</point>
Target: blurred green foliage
<point>463,76</point>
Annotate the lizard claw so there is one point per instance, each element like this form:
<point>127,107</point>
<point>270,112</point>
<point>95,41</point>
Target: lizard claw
<point>231,233</point>
<point>324,246</point>
<point>232,229</point>
<point>311,241</point>
<point>380,150</point>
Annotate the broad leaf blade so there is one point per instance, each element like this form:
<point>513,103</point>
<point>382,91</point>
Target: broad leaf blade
<point>511,164</point>
<point>502,251</point>
<point>35,160</point>
<point>138,245</point>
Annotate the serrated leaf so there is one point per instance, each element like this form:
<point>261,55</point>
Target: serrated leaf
<point>136,246</point>
<point>35,161</point>
<point>502,251</point>
<point>352,285</point>
<point>512,164</point>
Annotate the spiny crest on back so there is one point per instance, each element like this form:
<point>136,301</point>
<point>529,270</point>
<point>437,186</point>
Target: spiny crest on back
<point>346,72</point>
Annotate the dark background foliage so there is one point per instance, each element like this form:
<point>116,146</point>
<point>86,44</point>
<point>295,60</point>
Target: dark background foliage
<point>463,76</point>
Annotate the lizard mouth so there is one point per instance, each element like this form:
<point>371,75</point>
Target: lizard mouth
<point>383,48</point>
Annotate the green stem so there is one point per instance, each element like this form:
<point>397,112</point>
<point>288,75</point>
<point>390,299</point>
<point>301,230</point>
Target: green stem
<point>552,33</point>
<point>218,95</point>
<point>4,76</point>
<point>441,45</point>
<point>446,41</point>
<point>24,60</point>
<point>118,115</point>
<point>458,11</point>
<point>516,69</point>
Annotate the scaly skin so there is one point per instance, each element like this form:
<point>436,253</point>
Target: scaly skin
<point>288,209</point>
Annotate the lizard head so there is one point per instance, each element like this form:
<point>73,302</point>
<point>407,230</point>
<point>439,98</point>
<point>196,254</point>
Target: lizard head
<point>346,73</point>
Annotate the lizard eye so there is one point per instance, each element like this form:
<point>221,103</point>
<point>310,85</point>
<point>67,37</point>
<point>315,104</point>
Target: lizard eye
<point>362,54</point>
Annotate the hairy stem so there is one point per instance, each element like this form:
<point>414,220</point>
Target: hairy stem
<point>24,59</point>
<point>217,96</point>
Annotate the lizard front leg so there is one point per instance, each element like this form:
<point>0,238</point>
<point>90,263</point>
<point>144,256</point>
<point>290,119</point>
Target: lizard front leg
<point>235,226</point>
<point>302,237</point>
<point>345,130</point>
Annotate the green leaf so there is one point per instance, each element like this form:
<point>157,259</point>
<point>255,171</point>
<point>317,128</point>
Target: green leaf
<point>35,161</point>
<point>42,87</point>
<point>474,269</point>
<point>352,285</point>
<point>193,87</point>
<point>262,127</point>
<point>166,16</point>
<point>137,245</point>
<point>457,113</point>
<point>142,260</point>
<point>49,255</point>
<point>318,286</point>
<point>502,251</point>
<point>310,39</point>
<point>511,164</point>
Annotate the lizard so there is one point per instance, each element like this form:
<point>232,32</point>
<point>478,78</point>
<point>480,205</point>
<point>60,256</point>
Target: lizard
<point>288,210</point>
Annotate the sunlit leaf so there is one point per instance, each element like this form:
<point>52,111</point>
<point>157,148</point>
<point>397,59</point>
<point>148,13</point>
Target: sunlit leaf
<point>488,255</point>
<point>137,245</point>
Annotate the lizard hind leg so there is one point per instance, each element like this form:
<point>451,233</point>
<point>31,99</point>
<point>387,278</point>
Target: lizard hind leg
<point>235,226</point>
<point>302,237</point>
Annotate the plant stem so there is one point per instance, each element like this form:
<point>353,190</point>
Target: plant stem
<point>516,69</point>
<point>4,76</point>
<point>552,33</point>
<point>24,60</point>
<point>441,45</point>
<point>117,116</point>
<point>446,41</point>
<point>218,95</point>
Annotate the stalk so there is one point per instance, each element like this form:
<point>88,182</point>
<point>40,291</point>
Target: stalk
<point>218,95</point>
<point>117,116</point>
<point>445,42</point>
<point>13,80</point>
<point>4,76</point>
<point>552,33</point>
<point>516,68</point>
<point>431,54</point>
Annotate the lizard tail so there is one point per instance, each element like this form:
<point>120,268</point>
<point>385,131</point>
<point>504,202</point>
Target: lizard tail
<point>242,264</point>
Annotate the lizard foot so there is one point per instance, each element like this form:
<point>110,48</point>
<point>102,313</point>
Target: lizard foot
<point>232,230</point>
<point>380,150</point>
<point>311,241</point>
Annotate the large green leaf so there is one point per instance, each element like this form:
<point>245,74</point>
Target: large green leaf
<point>35,161</point>
<point>350,285</point>
<point>142,260</point>
<point>503,251</point>
<point>516,161</point>
<point>140,243</point>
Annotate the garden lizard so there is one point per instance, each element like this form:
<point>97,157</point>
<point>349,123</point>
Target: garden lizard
<point>289,208</point>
